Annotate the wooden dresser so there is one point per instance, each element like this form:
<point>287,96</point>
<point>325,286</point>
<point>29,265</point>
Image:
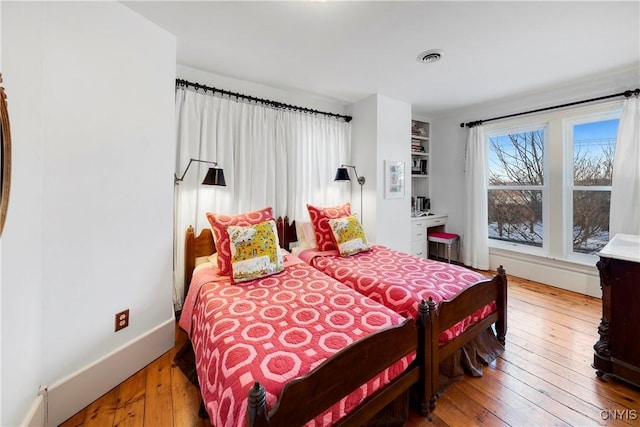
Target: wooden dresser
<point>617,353</point>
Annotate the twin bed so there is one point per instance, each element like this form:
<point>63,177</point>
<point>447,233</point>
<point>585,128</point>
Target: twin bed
<point>332,340</point>
<point>459,304</point>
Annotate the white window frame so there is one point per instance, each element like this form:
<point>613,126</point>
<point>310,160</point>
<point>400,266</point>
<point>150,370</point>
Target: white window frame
<point>608,111</point>
<point>523,126</point>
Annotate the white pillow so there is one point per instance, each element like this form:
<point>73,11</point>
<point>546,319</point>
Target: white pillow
<point>305,233</point>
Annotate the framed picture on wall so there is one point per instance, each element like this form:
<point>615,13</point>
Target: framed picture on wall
<point>393,179</point>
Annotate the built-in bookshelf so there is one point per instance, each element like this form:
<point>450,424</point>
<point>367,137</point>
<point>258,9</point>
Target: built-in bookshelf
<point>420,164</point>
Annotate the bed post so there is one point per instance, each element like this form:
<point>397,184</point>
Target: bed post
<point>286,232</point>
<point>424,356</point>
<point>189,258</point>
<point>501,324</point>
<point>432,348</point>
<point>257,403</point>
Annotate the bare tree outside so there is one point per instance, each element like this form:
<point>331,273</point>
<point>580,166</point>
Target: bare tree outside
<point>516,179</point>
<point>516,176</point>
<point>592,172</point>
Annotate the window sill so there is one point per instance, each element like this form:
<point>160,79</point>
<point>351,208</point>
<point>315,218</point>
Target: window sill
<point>549,261</point>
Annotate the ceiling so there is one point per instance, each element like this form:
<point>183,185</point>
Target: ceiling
<point>347,50</point>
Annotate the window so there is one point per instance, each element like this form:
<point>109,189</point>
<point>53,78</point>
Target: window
<point>516,186</point>
<point>549,182</point>
<point>592,141</point>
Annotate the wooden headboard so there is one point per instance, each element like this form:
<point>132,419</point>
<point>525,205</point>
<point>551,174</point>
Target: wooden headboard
<point>203,245</point>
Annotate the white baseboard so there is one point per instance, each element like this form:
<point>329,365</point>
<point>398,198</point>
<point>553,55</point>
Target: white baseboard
<point>561,274</point>
<point>36,417</point>
<point>73,393</point>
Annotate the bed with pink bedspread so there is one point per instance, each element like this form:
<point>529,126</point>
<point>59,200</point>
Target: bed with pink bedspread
<point>462,303</point>
<point>288,339</point>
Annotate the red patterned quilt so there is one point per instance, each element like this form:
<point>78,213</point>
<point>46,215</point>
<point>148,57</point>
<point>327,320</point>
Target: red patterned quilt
<point>273,330</point>
<point>400,281</point>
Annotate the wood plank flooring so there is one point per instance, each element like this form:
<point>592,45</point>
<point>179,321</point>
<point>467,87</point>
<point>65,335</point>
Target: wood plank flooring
<point>544,378</point>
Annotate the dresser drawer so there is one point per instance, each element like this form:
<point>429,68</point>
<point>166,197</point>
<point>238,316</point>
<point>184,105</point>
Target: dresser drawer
<point>436,221</point>
<point>419,229</point>
<point>419,248</point>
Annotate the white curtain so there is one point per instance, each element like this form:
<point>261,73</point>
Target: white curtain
<point>270,157</point>
<point>625,186</point>
<point>475,249</point>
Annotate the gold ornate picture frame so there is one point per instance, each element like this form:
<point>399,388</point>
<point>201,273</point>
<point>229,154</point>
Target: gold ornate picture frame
<point>5,156</point>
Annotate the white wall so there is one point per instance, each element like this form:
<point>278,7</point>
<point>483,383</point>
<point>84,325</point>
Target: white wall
<point>394,143</point>
<point>382,131</point>
<point>364,136</point>
<point>22,283</point>
<point>89,227</point>
<point>447,171</point>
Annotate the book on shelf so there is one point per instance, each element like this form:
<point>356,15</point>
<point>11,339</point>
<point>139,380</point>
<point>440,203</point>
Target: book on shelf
<point>424,167</point>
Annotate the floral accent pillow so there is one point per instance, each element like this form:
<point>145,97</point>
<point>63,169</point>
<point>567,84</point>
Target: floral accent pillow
<point>255,251</point>
<point>320,220</point>
<point>349,235</point>
<point>219,224</point>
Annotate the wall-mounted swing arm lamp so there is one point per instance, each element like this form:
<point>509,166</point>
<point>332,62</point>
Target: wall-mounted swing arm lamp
<point>215,176</point>
<point>342,174</point>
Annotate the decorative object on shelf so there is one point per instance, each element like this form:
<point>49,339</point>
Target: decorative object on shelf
<point>342,174</point>
<point>423,203</point>
<point>416,146</point>
<point>5,156</point>
<point>215,176</point>
<point>419,129</point>
<point>419,167</point>
<point>393,179</point>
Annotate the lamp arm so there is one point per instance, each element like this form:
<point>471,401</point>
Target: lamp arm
<point>361,181</point>
<point>175,177</point>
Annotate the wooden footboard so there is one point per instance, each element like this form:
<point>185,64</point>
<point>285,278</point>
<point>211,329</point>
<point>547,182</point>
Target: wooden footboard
<point>451,311</point>
<point>308,396</point>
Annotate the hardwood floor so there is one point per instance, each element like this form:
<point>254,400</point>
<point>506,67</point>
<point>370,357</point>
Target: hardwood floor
<point>544,377</point>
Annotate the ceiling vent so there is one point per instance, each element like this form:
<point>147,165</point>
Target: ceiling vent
<point>430,56</point>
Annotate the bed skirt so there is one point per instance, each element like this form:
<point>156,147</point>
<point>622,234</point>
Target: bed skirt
<point>470,359</point>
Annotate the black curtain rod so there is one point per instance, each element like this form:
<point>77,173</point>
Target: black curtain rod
<point>626,93</point>
<point>198,86</point>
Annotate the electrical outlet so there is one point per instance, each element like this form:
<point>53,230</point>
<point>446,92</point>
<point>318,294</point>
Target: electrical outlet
<point>122,320</point>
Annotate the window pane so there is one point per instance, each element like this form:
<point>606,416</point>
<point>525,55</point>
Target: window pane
<point>516,216</point>
<point>516,158</point>
<point>593,148</point>
<point>590,220</point>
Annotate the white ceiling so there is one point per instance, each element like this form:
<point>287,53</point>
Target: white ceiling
<point>349,50</point>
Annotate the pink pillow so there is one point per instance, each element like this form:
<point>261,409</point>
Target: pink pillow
<point>219,224</point>
<point>320,219</point>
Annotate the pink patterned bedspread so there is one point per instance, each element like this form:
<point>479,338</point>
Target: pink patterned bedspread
<point>400,281</point>
<point>273,330</point>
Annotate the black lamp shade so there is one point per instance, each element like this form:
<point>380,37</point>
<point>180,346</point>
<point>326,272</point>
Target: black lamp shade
<point>215,176</point>
<point>342,175</point>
